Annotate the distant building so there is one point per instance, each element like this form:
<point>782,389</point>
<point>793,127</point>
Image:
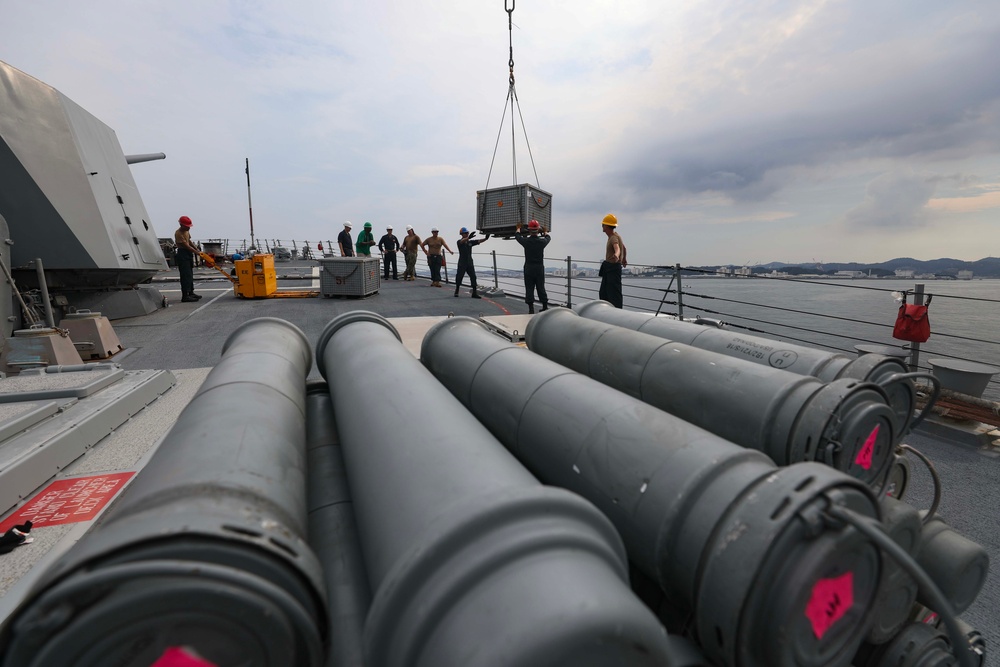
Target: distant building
<point>724,271</point>
<point>905,273</point>
<point>850,274</point>
<point>964,275</point>
<point>743,272</point>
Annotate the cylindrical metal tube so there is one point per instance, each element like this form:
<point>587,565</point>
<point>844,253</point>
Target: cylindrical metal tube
<point>144,157</point>
<point>898,591</point>
<point>471,560</point>
<point>798,359</point>
<point>43,287</point>
<point>727,535</point>
<point>916,645</point>
<point>333,533</point>
<point>791,418</point>
<point>206,548</point>
<point>956,564</point>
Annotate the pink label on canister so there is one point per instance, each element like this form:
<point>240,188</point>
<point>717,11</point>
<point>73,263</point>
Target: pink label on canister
<point>830,600</point>
<point>178,656</point>
<point>864,458</point>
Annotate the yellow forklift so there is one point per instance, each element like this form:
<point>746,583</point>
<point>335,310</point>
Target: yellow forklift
<point>254,278</point>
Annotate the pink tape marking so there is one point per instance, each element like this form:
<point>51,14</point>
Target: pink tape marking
<point>177,656</point>
<point>864,458</point>
<point>830,600</point>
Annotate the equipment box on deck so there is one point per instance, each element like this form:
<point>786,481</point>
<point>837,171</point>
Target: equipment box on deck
<point>349,276</point>
<point>498,210</point>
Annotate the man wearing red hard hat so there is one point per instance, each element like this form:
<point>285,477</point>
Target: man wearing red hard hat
<point>185,259</point>
<point>534,263</point>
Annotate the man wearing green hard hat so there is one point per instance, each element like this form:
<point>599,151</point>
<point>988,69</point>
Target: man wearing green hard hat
<point>366,239</point>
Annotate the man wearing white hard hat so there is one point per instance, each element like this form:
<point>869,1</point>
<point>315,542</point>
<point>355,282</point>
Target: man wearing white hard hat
<point>345,242</point>
<point>410,244</point>
<point>435,258</point>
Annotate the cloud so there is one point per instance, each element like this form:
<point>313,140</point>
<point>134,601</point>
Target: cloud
<point>981,201</point>
<point>894,200</point>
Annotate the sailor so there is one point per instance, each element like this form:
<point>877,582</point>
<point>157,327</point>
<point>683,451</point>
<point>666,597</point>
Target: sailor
<point>534,263</point>
<point>366,239</point>
<point>186,252</point>
<point>388,245</point>
<point>615,259</point>
<point>410,244</point>
<point>465,265</point>
<point>432,248</point>
<point>345,242</point>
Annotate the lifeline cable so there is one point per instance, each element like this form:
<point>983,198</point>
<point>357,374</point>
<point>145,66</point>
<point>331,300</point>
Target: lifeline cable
<point>873,531</point>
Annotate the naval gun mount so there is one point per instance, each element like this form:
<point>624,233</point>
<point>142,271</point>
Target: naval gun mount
<point>69,198</point>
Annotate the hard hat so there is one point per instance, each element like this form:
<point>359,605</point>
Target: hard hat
<point>347,224</point>
<point>610,220</point>
<point>368,225</point>
<point>409,228</point>
<point>185,221</point>
<point>435,229</point>
<point>389,228</point>
<point>463,230</point>
<point>534,226</point>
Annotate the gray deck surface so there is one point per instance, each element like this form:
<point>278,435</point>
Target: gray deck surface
<point>191,335</point>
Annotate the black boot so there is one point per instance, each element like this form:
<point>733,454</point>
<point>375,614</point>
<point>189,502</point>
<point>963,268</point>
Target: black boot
<point>15,537</point>
<point>456,291</point>
<point>475,294</point>
<point>531,309</point>
<point>545,306</point>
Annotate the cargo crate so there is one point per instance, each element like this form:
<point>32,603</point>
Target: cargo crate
<point>498,210</point>
<point>349,276</point>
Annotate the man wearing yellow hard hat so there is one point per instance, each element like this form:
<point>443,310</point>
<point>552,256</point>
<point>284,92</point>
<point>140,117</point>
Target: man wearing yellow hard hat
<point>615,259</point>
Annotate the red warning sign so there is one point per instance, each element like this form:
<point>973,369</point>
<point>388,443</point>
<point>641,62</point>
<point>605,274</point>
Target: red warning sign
<point>69,501</point>
<point>830,600</point>
<point>864,458</point>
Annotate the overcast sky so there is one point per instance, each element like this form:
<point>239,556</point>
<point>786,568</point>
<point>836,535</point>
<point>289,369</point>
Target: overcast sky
<point>717,131</point>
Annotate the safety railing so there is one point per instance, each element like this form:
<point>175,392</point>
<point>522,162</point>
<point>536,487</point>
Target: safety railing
<point>832,313</point>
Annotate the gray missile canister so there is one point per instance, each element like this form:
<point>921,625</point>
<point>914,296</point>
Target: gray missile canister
<point>916,645</point>
<point>736,542</point>
<point>898,591</point>
<point>956,564</point>
<point>847,424</point>
<point>798,359</point>
<point>470,559</point>
<point>333,533</point>
<point>206,547</point>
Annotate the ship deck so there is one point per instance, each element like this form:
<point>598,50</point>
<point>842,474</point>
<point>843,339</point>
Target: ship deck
<point>187,339</point>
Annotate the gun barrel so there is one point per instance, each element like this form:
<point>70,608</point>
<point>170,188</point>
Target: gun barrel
<point>144,157</point>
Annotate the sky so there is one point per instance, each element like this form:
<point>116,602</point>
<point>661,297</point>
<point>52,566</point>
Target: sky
<point>717,131</point>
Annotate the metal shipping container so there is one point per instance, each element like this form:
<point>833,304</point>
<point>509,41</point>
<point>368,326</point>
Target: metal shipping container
<point>498,210</point>
<point>349,276</point>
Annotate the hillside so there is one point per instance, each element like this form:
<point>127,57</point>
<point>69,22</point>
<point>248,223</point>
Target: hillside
<point>988,267</point>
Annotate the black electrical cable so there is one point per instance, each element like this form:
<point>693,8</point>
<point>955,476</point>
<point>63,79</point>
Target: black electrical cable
<point>873,531</point>
<point>934,476</point>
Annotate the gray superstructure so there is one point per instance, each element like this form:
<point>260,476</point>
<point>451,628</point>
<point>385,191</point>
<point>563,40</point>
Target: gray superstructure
<point>67,193</point>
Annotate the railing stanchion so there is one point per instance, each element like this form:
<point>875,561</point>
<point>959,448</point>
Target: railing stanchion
<point>496,281</point>
<point>918,299</point>
<point>680,292</point>
<point>569,281</point>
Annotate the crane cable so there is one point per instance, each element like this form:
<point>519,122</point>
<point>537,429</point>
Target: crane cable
<point>512,100</point>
